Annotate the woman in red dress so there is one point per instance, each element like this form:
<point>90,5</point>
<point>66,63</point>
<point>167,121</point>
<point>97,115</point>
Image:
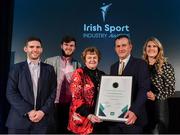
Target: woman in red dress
<point>84,88</point>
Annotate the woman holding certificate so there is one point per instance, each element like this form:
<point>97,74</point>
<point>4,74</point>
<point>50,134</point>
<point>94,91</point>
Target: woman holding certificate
<point>162,86</point>
<point>84,88</point>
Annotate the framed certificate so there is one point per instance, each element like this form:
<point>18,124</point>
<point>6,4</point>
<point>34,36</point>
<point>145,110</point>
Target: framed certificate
<point>114,98</point>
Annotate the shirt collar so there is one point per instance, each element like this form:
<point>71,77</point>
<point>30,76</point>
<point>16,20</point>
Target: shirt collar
<point>34,62</point>
<point>66,58</point>
<point>126,59</point>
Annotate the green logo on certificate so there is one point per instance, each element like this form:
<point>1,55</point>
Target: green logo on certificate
<point>112,113</point>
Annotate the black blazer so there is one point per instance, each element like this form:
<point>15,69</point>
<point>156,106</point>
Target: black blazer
<point>141,84</point>
<point>21,98</point>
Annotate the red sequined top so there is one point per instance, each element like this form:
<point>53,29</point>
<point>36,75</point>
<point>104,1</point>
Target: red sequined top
<point>84,95</point>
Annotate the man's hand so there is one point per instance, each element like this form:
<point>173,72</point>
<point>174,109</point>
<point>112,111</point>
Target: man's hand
<point>36,116</point>
<point>31,114</point>
<point>131,118</point>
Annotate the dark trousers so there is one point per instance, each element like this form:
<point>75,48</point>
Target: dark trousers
<point>62,118</point>
<point>101,128</point>
<point>32,130</point>
<point>122,128</point>
<point>158,117</point>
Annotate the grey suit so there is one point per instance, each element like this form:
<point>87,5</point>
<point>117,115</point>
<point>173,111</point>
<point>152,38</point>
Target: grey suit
<point>55,62</point>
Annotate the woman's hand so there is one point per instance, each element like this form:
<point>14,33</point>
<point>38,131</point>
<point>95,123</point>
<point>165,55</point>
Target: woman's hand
<point>94,119</point>
<point>151,95</point>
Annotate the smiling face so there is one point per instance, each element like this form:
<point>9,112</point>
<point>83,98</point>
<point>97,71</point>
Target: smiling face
<point>68,48</point>
<point>151,49</point>
<point>123,48</point>
<point>33,50</point>
<point>91,60</point>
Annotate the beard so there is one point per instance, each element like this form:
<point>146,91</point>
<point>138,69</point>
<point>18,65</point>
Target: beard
<point>66,55</point>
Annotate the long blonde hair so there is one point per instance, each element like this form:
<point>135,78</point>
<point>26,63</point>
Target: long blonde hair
<point>160,59</point>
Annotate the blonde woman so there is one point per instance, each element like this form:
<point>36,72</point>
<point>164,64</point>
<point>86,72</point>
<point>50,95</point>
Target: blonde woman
<point>162,86</point>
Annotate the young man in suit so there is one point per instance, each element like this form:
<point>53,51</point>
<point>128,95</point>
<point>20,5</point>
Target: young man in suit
<point>31,92</point>
<point>127,65</point>
<point>64,66</point>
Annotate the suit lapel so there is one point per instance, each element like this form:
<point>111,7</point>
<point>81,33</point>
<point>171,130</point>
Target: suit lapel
<point>41,76</point>
<point>29,80</point>
<point>128,66</point>
<point>116,68</point>
<point>58,66</point>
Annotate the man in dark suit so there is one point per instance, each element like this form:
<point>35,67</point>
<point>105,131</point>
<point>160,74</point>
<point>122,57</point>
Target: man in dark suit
<point>128,65</point>
<point>31,92</point>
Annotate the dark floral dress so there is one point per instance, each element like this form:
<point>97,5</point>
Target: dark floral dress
<point>163,86</point>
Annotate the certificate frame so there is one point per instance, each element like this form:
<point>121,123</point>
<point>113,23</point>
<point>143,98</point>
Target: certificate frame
<point>114,98</point>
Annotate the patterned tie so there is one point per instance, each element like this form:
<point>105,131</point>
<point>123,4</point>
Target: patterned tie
<point>121,68</point>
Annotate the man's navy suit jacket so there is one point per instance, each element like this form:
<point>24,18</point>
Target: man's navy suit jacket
<point>21,98</point>
<point>137,68</point>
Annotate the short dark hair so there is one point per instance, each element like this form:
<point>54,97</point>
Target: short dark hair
<point>68,39</point>
<point>123,36</point>
<point>33,39</point>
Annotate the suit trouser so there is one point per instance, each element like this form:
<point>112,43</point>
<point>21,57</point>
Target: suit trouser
<point>122,128</point>
<point>31,130</point>
<point>62,118</point>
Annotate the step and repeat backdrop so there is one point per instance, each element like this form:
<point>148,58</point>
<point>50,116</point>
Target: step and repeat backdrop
<point>97,23</point>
